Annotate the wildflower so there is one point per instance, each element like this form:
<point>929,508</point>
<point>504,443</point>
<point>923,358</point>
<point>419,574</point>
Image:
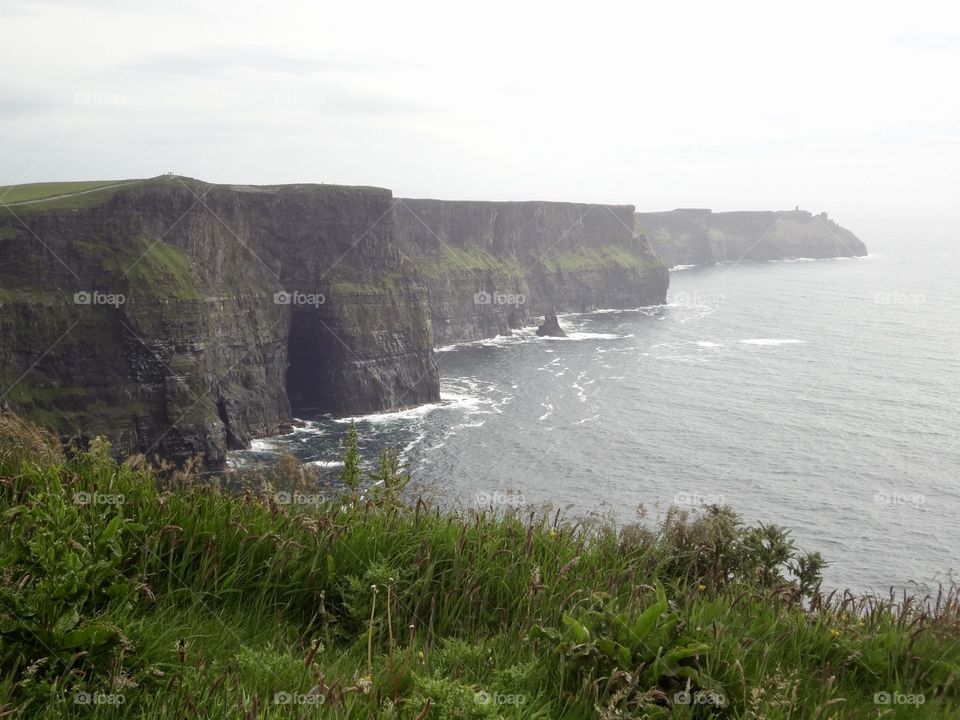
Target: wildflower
<point>123,681</point>
<point>365,684</point>
<point>36,665</point>
<point>701,587</point>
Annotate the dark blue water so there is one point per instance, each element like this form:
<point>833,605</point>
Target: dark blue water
<point>817,395</point>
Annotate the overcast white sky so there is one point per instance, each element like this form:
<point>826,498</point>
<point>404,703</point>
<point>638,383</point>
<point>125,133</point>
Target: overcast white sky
<point>847,107</point>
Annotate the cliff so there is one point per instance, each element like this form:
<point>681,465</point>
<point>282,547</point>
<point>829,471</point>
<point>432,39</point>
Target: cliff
<point>490,266</point>
<point>703,237</point>
<point>177,317</point>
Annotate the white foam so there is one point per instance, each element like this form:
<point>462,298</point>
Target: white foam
<point>772,341</point>
<point>447,399</point>
<point>839,257</point>
<point>263,445</point>
<point>581,393</point>
<point>404,454</point>
<point>517,336</point>
<point>326,463</point>
<point>589,336</point>
<point>677,268</point>
<point>605,311</point>
<point>708,344</point>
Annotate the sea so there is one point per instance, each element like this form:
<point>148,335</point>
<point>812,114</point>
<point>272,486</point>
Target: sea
<point>819,395</point>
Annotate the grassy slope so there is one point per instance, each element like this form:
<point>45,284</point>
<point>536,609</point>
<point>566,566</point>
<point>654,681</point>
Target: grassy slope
<point>189,601</point>
<point>11,194</point>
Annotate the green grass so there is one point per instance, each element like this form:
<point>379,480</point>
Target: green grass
<point>155,269</point>
<point>189,600</point>
<point>598,258</point>
<point>150,269</point>
<point>142,269</point>
<point>456,262</point>
<point>11,194</point>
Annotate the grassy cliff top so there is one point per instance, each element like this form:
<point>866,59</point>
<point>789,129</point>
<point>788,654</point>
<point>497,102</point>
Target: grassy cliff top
<point>64,194</point>
<point>50,192</point>
<point>53,195</point>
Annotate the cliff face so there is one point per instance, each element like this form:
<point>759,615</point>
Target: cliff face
<point>702,237</point>
<point>180,318</point>
<point>177,317</point>
<point>489,266</point>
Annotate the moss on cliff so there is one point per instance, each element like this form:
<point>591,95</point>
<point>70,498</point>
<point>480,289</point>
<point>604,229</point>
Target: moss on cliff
<point>461,261</point>
<point>161,271</point>
<point>598,258</point>
<point>153,269</point>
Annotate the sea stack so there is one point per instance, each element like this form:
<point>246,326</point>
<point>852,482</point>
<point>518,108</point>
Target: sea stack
<point>551,326</point>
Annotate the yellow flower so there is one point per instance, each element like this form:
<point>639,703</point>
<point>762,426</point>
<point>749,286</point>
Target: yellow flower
<point>702,587</point>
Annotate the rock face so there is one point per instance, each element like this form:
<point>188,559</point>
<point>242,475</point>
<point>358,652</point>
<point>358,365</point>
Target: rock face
<point>550,327</point>
<point>180,318</point>
<point>489,266</point>
<point>703,237</point>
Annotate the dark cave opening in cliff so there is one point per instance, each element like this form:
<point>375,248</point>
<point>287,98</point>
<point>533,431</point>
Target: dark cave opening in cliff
<point>313,349</point>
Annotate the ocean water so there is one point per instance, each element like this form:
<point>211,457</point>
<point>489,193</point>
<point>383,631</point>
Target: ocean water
<point>819,395</point>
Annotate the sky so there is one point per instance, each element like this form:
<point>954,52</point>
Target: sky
<point>850,108</point>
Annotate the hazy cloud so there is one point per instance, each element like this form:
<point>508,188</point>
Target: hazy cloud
<point>214,62</point>
<point>934,41</point>
<point>737,105</point>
